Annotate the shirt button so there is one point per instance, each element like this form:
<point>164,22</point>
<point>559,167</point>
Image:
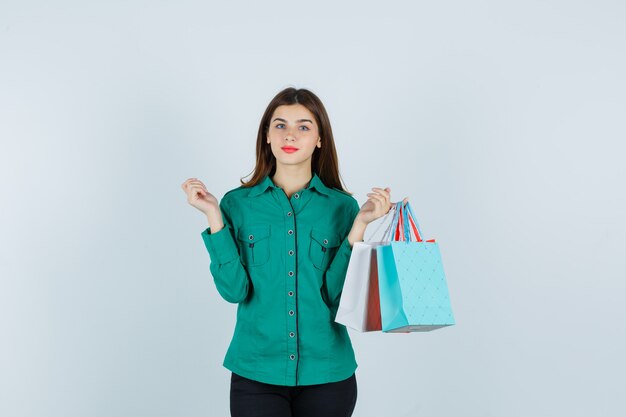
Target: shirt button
<point>325,241</point>
<point>292,356</point>
<point>291,334</point>
<point>289,214</point>
<point>290,293</point>
<point>290,253</point>
<point>251,237</point>
<point>296,195</point>
<point>290,232</point>
<point>291,312</point>
<point>290,273</point>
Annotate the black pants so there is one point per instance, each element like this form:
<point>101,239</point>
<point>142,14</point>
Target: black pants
<point>249,398</point>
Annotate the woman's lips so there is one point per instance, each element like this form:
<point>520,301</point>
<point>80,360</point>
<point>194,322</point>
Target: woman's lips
<point>289,150</point>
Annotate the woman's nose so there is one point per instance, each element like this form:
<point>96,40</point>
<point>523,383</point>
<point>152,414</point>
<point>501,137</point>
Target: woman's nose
<point>290,135</point>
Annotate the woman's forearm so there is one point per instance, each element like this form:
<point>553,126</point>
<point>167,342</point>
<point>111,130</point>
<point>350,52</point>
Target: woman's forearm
<point>357,232</point>
<point>215,220</point>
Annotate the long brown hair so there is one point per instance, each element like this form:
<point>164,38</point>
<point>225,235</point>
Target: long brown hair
<point>324,161</point>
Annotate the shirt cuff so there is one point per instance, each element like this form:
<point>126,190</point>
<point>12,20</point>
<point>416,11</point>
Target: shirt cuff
<point>220,245</point>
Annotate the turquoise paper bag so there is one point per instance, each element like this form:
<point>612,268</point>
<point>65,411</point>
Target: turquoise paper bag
<point>411,280</point>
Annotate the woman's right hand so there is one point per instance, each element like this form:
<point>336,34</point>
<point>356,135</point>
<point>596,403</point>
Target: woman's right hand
<point>199,197</point>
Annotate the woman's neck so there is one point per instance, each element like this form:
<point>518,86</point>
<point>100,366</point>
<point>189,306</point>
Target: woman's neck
<point>292,181</point>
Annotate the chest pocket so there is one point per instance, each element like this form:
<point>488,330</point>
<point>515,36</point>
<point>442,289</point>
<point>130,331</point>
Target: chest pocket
<point>324,245</point>
<point>254,244</point>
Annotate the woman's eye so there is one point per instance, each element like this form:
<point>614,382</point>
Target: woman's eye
<point>279,126</point>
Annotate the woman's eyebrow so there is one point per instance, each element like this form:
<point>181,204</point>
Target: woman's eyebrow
<point>300,120</point>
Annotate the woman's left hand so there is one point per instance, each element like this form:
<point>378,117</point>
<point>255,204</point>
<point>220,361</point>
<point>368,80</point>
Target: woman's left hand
<point>376,206</point>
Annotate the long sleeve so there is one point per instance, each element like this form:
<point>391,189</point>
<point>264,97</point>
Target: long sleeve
<point>230,276</point>
<point>335,275</point>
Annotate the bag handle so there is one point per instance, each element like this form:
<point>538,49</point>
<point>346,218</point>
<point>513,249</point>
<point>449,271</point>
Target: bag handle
<point>408,226</point>
<point>399,234</point>
<point>401,231</point>
<point>397,230</point>
<point>391,213</point>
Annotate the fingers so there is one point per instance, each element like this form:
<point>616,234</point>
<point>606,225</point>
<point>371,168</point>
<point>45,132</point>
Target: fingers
<point>185,184</point>
<point>188,180</point>
<point>193,181</point>
<point>382,205</point>
<point>198,183</point>
<point>382,195</point>
<point>377,197</point>
<point>194,189</point>
<point>194,186</point>
<point>384,191</point>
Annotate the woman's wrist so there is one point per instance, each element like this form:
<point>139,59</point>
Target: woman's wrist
<point>214,218</point>
<point>357,232</point>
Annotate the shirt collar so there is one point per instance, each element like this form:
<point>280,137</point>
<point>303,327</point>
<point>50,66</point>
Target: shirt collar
<point>316,183</point>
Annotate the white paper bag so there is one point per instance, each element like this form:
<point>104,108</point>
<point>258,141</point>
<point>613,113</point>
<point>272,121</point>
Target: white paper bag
<point>359,306</point>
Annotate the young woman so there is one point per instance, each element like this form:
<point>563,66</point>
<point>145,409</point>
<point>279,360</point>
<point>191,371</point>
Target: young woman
<point>279,247</point>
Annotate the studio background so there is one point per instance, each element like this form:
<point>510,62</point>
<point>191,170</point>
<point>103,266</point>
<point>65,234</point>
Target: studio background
<point>503,122</point>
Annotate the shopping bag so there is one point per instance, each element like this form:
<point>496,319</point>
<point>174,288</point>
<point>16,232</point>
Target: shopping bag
<point>412,284</point>
<point>359,305</point>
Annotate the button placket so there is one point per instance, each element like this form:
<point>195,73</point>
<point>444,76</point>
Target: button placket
<point>291,287</point>
<point>291,281</point>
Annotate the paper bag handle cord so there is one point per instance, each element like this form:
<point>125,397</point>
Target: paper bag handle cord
<point>393,208</point>
<point>387,236</point>
<point>409,222</point>
<point>403,230</point>
<point>415,220</point>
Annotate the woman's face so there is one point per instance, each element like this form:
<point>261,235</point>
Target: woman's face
<point>293,126</point>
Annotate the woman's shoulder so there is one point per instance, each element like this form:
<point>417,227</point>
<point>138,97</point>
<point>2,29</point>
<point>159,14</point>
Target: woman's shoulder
<point>235,193</point>
<point>344,198</point>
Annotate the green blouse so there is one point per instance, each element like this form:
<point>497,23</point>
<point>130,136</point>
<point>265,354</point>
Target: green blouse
<point>284,261</point>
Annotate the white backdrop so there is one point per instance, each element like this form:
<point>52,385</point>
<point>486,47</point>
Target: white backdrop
<point>503,122</point>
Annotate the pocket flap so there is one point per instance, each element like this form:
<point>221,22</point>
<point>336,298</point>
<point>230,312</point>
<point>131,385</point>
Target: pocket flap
<point>253,233</point>
<point>325,238</point>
